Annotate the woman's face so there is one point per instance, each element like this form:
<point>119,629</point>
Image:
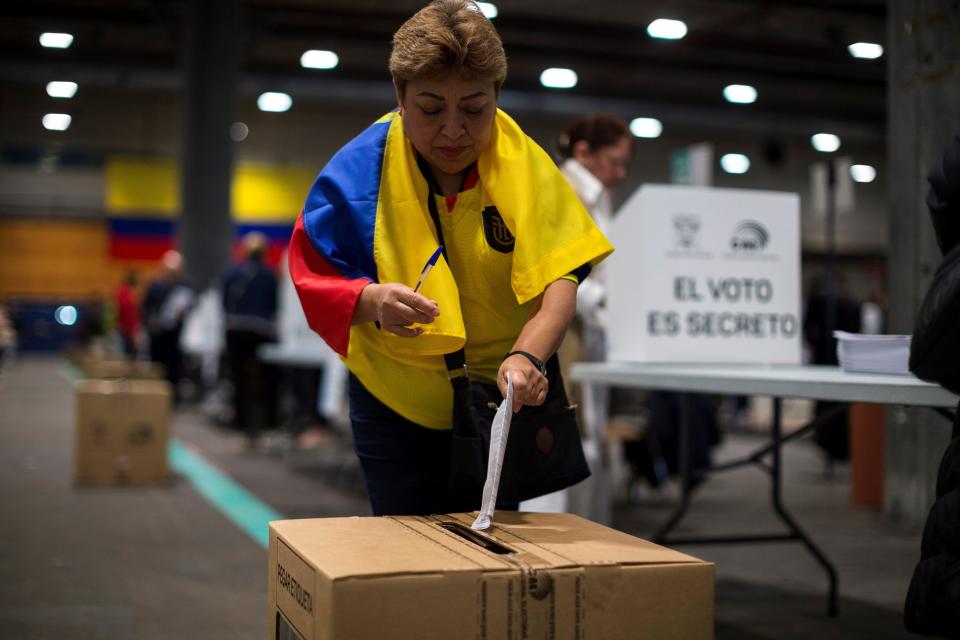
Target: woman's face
<point>607,164</point>
<point>449,120</point>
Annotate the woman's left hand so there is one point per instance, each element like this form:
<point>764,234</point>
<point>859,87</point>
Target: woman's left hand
<point>529,385</point>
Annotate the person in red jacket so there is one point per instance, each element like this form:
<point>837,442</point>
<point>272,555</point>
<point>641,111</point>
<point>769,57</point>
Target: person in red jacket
<point>128,314</point>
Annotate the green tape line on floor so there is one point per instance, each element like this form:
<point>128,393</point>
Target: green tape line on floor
<point>235,502</point>
<point>70,372</point>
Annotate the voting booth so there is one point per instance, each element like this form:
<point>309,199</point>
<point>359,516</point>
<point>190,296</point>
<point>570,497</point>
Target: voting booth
<point>705,275</point>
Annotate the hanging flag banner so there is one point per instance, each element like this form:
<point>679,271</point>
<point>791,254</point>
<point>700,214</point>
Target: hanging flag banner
<point>142,196</point>
<point>705,275</point>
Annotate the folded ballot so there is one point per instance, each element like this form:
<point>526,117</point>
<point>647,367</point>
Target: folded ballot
<point>863,353</point>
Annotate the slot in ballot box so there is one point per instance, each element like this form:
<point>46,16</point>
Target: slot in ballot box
<point>121,433</point>
<point>531,575</point>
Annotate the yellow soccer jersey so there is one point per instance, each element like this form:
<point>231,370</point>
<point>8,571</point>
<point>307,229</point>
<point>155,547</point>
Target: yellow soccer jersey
<point>417,387</point>
<point>479,250</point>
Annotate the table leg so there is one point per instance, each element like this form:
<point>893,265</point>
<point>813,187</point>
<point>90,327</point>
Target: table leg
<point>776,499</point>
<point>660,536</point>
<point>776,472</point>
<point>592,498</point>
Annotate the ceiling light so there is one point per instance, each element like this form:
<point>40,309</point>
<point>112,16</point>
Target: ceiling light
<point>865,50</point>
<point>56,40</point>
<point>58,89</point>
<point>862,173</point>
<point>740,93</point>
<point>825,142</point>
<point>735,163</point>
<point>274,101</point>
<point>488,9</point>
<point>646,127</point>
<point>558,78</point>
<point>239,131</point>
<point>319,59</point>
<point>667,29</point>
<point>57,121</point>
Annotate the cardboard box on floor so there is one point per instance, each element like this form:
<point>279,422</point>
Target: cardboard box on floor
<point>97,368</point>
<point>532,575</point>
<point>121,431</point>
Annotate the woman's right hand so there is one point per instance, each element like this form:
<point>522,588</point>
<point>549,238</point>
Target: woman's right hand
<point>396,306</point>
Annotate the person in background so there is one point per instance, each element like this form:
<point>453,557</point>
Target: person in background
<point>873,312</point>
<point>168,299</point>
<point>250,310</point>
<point>594,152</point>
<point>128,315</point>
<point>516,243</point>
<point>830,308</point>
<point>319,388</point>
<point>8,339</point>
<point>93,320</point>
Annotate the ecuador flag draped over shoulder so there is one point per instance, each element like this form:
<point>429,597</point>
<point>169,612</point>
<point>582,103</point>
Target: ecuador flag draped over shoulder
<point>366,220</point>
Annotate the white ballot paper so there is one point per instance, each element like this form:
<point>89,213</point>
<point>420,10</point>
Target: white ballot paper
<point>873,353</point>
<point>498,445</point>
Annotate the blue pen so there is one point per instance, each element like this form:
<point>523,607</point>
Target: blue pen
<point>427,267</point>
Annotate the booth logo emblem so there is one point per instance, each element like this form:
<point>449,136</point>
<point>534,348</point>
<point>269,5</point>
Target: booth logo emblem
<point>749,237</point>
<point>687,227</point>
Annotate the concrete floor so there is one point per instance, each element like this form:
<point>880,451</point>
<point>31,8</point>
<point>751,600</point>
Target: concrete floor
<point>160,562</point>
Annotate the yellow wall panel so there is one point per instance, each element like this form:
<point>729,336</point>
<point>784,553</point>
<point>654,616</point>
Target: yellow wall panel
<point>56,258</point>
<point>142,185</point>
<point>263,193</point>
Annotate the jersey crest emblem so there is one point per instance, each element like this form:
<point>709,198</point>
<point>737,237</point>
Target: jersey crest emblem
<point>496,231</point>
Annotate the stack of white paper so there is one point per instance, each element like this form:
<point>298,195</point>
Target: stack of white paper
<point>864,353</point>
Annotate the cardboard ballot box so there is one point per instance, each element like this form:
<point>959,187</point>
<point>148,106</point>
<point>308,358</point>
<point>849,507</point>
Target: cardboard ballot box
<point>121,431</point>
<point>531,575</point>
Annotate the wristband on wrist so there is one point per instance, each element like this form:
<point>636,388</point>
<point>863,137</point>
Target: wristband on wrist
<point>537,362</point>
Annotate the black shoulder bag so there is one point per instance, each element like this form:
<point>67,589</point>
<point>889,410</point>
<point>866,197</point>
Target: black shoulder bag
<point>544,452</point>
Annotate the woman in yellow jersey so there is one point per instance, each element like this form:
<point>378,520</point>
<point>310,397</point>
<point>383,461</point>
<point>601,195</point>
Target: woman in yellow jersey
<point>447,168</point>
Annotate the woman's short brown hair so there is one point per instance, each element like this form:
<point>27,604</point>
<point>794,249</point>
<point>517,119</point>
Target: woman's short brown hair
<point>448,36</point>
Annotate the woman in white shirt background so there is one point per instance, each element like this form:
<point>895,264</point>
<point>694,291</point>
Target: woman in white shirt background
<point>594,152</point>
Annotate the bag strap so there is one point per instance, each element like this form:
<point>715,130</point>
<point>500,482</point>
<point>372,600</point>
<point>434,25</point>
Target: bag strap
<point>456,361</point>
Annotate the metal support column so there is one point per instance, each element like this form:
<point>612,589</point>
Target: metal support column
<point>211,55</point>
<point>923,96</point>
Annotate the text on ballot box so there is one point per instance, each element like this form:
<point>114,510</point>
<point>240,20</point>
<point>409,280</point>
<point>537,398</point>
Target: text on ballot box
<point>705,275</point>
